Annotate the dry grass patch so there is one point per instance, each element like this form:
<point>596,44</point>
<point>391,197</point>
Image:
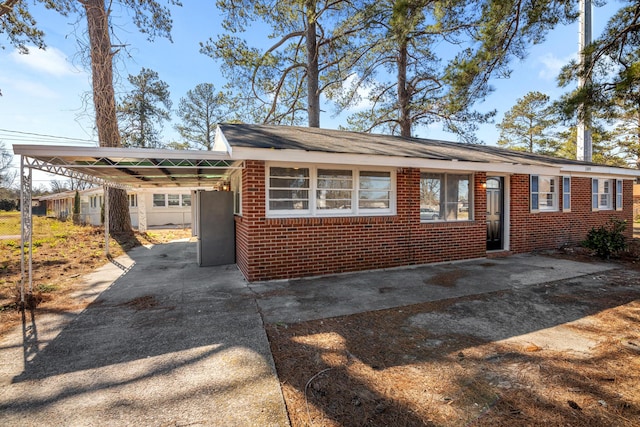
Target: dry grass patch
<point>62,253</point>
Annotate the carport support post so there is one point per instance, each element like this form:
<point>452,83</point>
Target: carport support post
<point>142,212</point>
<point>106,220</point>
<point>27,228</point>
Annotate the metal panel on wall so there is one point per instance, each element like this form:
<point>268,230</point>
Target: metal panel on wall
<point>216,229</point>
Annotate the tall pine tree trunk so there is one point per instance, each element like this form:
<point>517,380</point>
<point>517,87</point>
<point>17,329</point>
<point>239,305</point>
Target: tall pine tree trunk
<point>404,110</point>
<point>104,102</point>
<point>313,94</point>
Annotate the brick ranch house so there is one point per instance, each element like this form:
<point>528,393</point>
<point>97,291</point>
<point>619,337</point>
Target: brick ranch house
<point>316,201</point>
<point>306,201</point>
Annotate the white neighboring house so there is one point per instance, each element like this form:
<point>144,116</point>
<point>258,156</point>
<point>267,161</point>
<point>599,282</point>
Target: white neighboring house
<point>147,207</point>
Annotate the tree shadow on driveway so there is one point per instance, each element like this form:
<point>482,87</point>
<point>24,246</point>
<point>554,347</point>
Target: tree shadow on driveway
<point>167,342</point>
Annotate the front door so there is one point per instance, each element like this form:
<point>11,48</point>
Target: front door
<point>495,202</point>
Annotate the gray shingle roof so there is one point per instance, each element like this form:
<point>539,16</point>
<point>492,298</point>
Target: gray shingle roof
<point>337,141</point>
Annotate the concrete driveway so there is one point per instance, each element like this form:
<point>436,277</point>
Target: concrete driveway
<point>169,343</point>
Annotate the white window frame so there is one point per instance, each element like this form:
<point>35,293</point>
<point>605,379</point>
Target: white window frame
<point>235,180</point>
<point>95,202</point>
<point>352,189</point>
<point>619,192</point>
<point>288,212</point>
<point>534,196</point>
<point>153,200</point>
<point>443,187</point>
<point>566,194</point>
<point>598,185</point>
<point>166,204</point>
<point>133,200</point>
<point>313,211</point>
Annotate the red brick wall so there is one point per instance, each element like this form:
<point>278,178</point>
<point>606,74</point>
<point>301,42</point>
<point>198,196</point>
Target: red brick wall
<point>273,248</point>
<point>550,230</point>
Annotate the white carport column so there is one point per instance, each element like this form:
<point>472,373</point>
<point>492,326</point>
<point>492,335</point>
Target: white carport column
<point>142,212</point>
<point>27,229</point>
<point>106,220</point>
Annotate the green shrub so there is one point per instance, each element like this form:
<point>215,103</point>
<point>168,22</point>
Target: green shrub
<point>608,239</point>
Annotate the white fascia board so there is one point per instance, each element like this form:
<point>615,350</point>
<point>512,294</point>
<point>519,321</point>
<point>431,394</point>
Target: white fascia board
<point>590,170</point>
<point>300,156</point>
<point>38,151</point>
<point>220,143</point>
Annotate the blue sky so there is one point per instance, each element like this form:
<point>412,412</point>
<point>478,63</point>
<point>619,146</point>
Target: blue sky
<point>45,92</point>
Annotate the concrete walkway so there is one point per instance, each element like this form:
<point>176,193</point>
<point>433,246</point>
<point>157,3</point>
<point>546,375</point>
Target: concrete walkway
<point>291,301</point>
<point>168,343</point>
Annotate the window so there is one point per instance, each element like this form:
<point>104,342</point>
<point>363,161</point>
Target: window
<point>133,200</point>
<point>289,189</point>
<point>173,200</point>
<point>236,186</point>
<point>602,194</point>
<point>159,200</point>
<point>544,193</point>
<point>619,187</point>
<point>444,197</point>
<point>374,190</point>
<point>566,193</point>
<point>329,191</point>
<point>95,202</point>
<point>334,190</point>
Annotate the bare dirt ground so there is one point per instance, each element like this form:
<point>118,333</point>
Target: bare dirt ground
<point>564,353</point>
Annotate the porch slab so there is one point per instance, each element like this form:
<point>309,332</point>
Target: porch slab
<point>290,301</point>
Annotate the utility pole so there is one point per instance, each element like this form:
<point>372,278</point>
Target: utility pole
<point>584,150</point>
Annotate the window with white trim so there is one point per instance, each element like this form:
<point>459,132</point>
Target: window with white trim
<point>374,191</point>
<point>334,190</point>
<point>619,190</point>
<point>318,191</point>
<point>444,197</point>
<point>566,193</point>
<point>133,200</point>
<point>171,200</point>
<point>95,202</point>
<point>235,181</point>
<point>544,193</point>
<point>159,200</point>
<point>289,189</point>
<point>602,194</point>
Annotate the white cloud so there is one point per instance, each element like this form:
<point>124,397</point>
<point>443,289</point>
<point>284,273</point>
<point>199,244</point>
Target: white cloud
<point>551,65</point>
<point>51,61</point>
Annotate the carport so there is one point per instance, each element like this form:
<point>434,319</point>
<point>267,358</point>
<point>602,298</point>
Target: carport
<point>123,168</point>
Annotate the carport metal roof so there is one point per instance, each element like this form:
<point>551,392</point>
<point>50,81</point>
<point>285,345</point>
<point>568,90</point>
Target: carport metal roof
<point>114,167</point>
<point>130,167</point>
